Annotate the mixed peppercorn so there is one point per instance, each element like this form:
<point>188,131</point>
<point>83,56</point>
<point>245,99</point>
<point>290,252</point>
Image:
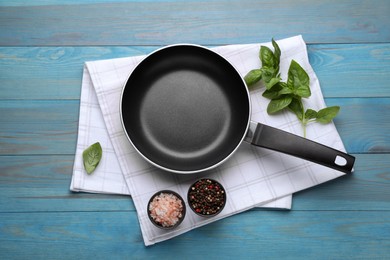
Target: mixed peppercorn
<point>206,197</point>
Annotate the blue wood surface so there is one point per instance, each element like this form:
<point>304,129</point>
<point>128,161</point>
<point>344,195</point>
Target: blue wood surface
<point>43,46</point>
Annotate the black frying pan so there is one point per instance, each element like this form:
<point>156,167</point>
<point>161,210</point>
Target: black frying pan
<point>186,109</point>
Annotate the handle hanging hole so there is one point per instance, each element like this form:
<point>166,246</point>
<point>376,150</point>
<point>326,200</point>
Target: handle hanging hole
<point>340,161</point>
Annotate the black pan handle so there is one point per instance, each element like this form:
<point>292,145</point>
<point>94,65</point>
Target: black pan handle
<point>281,141</point>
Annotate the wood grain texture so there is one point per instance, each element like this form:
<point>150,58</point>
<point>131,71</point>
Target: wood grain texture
<point>366,189</point>
<point>52,72</point>
<point>42,126</point>
<point>260,234</point>
<point>71,2</point>
<point>344,70</point>
<point>363,124</point>
<point>38,183</point>
<point>352,70</point>
<point>215,22</point>
<point>38,127</point>
<point>43,46</point>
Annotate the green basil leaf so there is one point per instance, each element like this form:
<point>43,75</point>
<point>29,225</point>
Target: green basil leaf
<point>267,57</point>
<point>285,90</point>
<point>283,84</point>
<point>272,82</point>
<point>310,114</point>
<point>277,52</point>
<point>92,156</point>
<point>326,115</point>
<point>253,76</point>
<point>273,93</point>
<point>275,105</point>
<point>268,74</point>
<point>303,92</point>
<point>298,80</point>
<point>296,106</point>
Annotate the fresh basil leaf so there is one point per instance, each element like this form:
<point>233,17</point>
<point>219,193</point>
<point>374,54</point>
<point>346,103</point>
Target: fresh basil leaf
<point>283,84</point>
<point>272,82</point>
<point>326,115</point>
<point>267,57</point>
<point>298,80</point>
<point>273,93</point>
<point>277,52</point>
<point>285,91</point>
<point>287,94</point>
<point>268,74</point>
<point>92,156</point>
<point>275,105</point>
<point>310,114</point>
<point>253,76</point>
<point>296,106</point>
<point>303,92</point>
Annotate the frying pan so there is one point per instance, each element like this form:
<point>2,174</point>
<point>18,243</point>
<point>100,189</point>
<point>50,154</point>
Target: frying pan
<point>186,109</point>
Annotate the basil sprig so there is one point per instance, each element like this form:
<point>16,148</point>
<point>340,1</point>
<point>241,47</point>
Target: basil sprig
<point>91,157</point>
<point>288,94</point>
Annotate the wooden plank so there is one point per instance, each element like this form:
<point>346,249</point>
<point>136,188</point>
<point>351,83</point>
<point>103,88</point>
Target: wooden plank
<point>69,2</point>
<point>344,70</point>
<point>368,188</point>
<point>215,22</point>
<point>42,126</point>
<point>51,72</point>
<point>38,127</point>
<point>361,124</point>
<point>251,235</point>
<point>352,70</point>
<point>40,218</point>
<point>41,184</point>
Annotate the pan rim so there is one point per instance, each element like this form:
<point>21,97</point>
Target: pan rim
<point>175,170</point>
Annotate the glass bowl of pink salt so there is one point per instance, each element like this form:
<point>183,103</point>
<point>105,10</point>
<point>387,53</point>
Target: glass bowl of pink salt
<point>166,209</point>
<point>206,197</point>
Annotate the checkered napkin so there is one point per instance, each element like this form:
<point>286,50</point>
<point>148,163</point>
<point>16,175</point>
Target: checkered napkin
<point>252,177</point>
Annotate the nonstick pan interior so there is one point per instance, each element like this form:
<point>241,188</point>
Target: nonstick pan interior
<point>185,108</point>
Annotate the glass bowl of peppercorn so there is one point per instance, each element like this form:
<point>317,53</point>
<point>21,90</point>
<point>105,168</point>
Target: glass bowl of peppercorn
<point>206,197</point>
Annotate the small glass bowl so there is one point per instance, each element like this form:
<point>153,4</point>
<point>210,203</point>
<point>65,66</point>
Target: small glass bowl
<point>160,216</point>
<point>206,197</point>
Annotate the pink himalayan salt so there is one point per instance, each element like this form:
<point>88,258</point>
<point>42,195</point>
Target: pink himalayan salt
<point>166,209</point>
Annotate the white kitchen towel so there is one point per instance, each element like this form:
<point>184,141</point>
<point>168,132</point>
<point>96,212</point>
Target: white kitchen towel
<point>252,176</point>
<point>108,177</point>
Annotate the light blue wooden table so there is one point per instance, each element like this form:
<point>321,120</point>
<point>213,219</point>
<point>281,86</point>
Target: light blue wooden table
<point>43,45</point>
